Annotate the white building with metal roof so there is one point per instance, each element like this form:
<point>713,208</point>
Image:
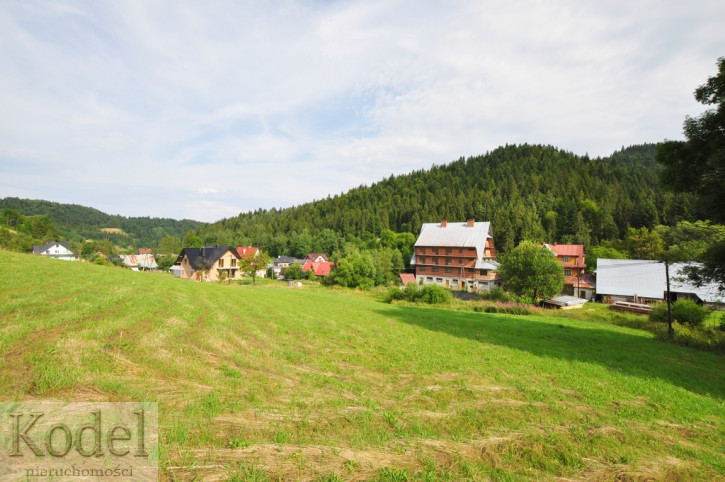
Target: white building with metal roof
<point>644,280</point>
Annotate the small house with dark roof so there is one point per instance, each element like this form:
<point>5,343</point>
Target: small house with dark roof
<point>57,250</point>
<point>210,263</point>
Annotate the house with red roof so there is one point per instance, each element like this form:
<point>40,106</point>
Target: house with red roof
<point>576,281</point>
<point>251,252</point>
<point>248,251</point>
<point>320,268</point>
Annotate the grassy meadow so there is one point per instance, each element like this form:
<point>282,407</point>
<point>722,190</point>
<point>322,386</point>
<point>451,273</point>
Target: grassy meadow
<point>267,382</point>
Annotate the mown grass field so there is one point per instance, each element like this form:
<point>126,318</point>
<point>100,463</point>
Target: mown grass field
<point>266,382</point>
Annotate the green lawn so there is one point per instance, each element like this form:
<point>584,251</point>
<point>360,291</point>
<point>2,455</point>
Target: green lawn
<point>265,382</point>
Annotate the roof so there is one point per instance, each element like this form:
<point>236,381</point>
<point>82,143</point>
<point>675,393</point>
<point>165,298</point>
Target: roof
<point>490,265</point>
<point>286,259</point>
<point>646,278</point>
<point>567,249</point>
<point>248,251</point>
<point>144,251</point>
<point>407,278</point>
<point>45,247</point>
<point>584,281</point>
<point>565,300</point>
<point>629,277</point>
<point>314,256</point>
<point>204,258</point>
<point>320,268</point>
<point>146,261</point>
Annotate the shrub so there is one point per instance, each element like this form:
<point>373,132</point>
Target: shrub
<point>683,311</point>
<point>411,292</point>
<point>434,294</point>
<point>693,337</point>
<point>495,294</point>
<point>394,293</point>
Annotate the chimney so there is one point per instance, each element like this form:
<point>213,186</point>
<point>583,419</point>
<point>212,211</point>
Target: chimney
<point>470,223</point>
<point>444,223</point>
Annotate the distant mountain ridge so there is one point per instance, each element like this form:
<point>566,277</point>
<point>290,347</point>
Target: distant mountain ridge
<point>527,191</point>
<point>78,222</point>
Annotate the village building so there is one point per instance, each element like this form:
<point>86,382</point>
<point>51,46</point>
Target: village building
<point>456,255</point>
<point>316,257</point>
<point>57,250</point>
<point>577,283</point>
<point>210,263</point>
<point>320,268</point>
<point>645,281</point>
<point>139,262</point>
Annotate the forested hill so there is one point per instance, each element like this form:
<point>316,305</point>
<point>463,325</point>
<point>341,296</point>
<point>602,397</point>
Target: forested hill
<point>527,192</point>
<point>75,222</point>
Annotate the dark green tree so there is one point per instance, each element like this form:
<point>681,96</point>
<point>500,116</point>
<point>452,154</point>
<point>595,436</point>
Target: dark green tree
<point>531,271</point>
<point>697,166</point>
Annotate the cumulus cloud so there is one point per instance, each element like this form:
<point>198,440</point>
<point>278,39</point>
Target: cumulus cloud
<point>202,110</point>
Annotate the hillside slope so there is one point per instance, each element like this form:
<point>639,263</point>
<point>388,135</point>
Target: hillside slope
<point>527,192</point>
<point>75,222</point>
<point>306,383</point>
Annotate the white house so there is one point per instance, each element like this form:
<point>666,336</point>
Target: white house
<point>56,249</point>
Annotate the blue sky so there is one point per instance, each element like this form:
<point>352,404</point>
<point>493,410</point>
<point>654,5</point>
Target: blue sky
<point>202,110</point>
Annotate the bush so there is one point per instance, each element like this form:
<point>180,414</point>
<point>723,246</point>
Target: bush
<point>683,311</point>
<point>394,293</point>
<point>431,294</point>
<point>434,294</point>
<point>411,292</point>
<point>693,337</point>
<point>495,294</point>
<point>512,308</point>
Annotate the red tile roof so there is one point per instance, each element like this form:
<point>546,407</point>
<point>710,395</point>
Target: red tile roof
<point>144,251</point>
<point>568,249</point>
<point>407,278</point>
<point>585,281</point>
<point>248,251</point>
<point>320,268</point>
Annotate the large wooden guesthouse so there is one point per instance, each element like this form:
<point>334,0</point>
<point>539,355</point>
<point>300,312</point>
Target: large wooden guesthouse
<point>456,255</point>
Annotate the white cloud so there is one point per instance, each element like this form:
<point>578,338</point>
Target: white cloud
<point>208,109</point>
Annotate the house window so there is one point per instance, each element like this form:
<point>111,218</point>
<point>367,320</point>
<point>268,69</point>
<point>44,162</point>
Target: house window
<point>435,260</point>
<point>221,262</point>
<point>448,250</point>
<point>422,268</point>
<point>234,262</point>
<point>460,250</point>
<point>422,259</point>
<point>439,280</point>
<point>434,269</point>
<point>565,259</point>
<point>448,270</point>
<point>435,250</point>
<point>449,260</point>
<point>484,272</point>
<point>429,279</point>
<point>567,272</point>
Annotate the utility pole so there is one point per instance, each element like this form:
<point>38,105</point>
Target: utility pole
<point>670,331</point>
<point>578,291</point>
